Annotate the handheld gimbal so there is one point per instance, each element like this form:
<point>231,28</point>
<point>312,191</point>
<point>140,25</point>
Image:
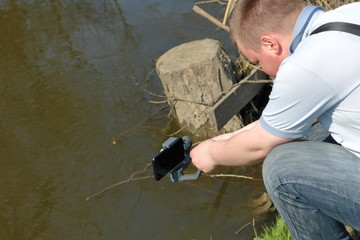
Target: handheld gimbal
<point>173,158</point>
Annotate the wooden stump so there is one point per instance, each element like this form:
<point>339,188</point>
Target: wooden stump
<point>198,79</point>
<point>194,76</point>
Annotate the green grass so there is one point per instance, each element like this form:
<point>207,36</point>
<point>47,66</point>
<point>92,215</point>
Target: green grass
<point>277,232</point>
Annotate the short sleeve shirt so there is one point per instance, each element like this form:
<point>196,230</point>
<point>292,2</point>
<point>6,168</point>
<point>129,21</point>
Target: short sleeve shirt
<point>320,80</point>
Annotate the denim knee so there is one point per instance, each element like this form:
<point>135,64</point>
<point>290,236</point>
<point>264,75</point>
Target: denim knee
<point>275,166</point>
<point>311,184</point>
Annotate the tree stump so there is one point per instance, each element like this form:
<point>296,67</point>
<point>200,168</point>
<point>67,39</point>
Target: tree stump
<point>195,76</point>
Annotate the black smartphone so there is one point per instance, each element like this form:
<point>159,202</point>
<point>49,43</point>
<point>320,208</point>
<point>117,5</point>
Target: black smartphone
<point>168,158</point>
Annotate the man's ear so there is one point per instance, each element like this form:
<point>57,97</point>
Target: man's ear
<point>270,43</point>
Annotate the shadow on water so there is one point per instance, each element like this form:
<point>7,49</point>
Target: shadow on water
<point>71,81</point>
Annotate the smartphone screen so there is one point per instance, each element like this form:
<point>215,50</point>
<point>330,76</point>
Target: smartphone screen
<point>168,158</point>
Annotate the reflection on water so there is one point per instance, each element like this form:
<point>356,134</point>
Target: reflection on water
<point>71,78</point>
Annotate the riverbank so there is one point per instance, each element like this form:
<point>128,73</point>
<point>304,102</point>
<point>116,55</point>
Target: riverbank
<point>279,231</point>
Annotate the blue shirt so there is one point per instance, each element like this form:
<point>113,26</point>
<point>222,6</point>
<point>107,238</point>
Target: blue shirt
<point>320,80</point>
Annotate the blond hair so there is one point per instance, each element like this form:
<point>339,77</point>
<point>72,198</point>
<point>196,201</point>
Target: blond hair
<point>251,19</point>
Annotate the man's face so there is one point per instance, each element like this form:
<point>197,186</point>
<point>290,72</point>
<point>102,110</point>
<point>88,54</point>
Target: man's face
<point>268,61</point>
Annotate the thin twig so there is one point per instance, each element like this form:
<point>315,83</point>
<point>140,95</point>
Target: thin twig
<point>228,10</point>
<point>260,81</point>
<point>131,178</point>
<point>206,15</point>
<point>211,1</point>
<point>242,228</point>
<point>232,176</point>
<point>254,107</point>
<point>158,102</point>
<point>132,130</point>
<point>255,232</point>
<point>246,80</point>
<point>189,101</point>
<point>182,128</point>
<point>153,94</point>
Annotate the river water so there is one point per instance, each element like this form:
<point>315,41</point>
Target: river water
<point>75,83</point>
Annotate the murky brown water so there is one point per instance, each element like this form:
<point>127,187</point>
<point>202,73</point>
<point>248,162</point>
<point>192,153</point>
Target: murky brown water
<point>72,74</point>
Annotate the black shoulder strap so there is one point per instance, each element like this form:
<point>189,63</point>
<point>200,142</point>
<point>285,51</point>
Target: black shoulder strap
<point>339,26</point>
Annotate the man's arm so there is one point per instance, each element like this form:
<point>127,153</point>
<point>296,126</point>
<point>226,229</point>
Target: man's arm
<point>241,149</point>
<point>231,134</point>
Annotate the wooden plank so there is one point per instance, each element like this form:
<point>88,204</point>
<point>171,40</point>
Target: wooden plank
<point>230,104</point>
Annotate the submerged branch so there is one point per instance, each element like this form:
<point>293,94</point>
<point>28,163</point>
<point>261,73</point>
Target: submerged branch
<point>131,178</point>
<point>134,178</point>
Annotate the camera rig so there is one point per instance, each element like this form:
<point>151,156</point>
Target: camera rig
<point>176,174</point>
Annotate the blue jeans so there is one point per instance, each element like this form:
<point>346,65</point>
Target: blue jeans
<point>315,187</point>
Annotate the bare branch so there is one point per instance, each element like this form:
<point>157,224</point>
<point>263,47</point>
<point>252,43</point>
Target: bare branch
<point>206,15</point>
<point>232,176</point>
<point>131,178</point>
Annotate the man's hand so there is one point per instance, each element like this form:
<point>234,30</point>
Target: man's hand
<point>241,148</point>
<point>202,157</point>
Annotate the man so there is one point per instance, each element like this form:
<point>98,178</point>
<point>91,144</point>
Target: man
<point>314,184</point>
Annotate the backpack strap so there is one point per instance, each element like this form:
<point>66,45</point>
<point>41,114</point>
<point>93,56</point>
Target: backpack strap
<point>339,26</point>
